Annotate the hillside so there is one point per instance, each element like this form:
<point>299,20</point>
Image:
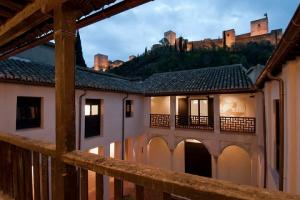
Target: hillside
<point>166,59</point>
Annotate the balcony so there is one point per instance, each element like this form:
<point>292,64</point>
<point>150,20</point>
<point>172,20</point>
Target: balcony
<point>194,122</point>
<point>244,125</point>
<point>27,175</point>
<point>238,124</point>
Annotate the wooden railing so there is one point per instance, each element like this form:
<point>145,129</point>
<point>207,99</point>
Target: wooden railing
<point>238,124</point>
<point>20,155</point>
<point>194,122</point>
<point>159,121</point>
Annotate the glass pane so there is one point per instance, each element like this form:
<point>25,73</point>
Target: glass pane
<point>203,107</point>
<point>194,107</point>
<point>87,109</point>
<point>94,109</point>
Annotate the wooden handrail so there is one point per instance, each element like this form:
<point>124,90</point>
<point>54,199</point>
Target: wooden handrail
<point>181,184</point>
<point>45,148</point>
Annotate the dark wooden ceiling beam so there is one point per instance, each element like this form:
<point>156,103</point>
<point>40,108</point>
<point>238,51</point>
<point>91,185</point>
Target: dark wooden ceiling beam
<point>11,5</point>
<point>12,40</point>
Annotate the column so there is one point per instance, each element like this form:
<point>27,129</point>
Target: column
<point>147,111</point>
<point>254,172</point>
<point>172,159</point>
<point>217,113</point>
<point>64,34</point>
<point>106,178</point>
<point>214,166</point>
<point>172,112</point>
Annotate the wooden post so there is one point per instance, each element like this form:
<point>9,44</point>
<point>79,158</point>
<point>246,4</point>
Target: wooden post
<point>139,192</point>
<point>64,34</point>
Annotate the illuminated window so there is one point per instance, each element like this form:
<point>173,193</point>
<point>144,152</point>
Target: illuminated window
<point>28,112</point>
<point>87,109</point>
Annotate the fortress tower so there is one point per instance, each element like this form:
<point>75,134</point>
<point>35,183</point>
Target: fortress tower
<point>101,62</point>
<point>229,38</point>
<point>171,37</point>
<point>260,26</point>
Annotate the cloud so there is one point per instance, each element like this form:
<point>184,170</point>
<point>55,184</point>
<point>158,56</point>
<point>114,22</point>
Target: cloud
<point>130,32</point>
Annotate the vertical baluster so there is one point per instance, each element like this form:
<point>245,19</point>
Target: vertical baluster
<point>15,173</point>
<point>2,167</point>
<point>36,176</point>
<point>27,174</point>
<point>139,192</point>
<point>166,196</point>
<point>21,181</point>
<point>83,184</point>
<point>10,171</point>
<point>44,178</point>
<point>118,189</point>
<point>99,187</point>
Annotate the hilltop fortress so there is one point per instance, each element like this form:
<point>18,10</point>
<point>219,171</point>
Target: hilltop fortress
<point>259,32</point>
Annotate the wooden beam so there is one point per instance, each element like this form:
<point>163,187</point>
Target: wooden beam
<point>64,33</point>
<point>110,11</point>
<point>98,16</point>
<point>11,5</point>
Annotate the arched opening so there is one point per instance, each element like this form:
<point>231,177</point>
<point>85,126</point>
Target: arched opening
<point>197,158</point>
<point>159,154</point>
<point>234,164</point>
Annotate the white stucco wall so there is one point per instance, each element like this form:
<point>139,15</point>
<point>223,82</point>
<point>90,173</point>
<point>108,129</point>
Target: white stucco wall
<point>160,105</point>
<point>111,111</point>
<point>234,165</point>
<point>291,77</point>
<point>159,154</point>
<point>237,105</point>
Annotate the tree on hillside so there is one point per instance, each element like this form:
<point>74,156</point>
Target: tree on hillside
<point>164,42</point>
<point>78,50</point>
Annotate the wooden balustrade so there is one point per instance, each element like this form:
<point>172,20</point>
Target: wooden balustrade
<point>238,124</point>
<point>159,121</point>
<point>194,122</point>
<point>23,163</point>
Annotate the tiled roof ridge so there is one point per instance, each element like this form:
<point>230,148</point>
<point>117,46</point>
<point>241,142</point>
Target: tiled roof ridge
<point>199,69</point>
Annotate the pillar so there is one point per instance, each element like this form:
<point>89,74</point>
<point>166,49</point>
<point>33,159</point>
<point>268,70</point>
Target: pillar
<point>217,113</point>
<point>106,178</point>
<point>254,167</point>
<point>172,112</point>
<point>172,159</point>
<point>64,34</point>
<point>147,111</point>
<point>214,166</point>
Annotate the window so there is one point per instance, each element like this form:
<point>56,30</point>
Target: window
<point>28,112</point>
<point>277,135</point>
<point>128,108</point>
<point>92,117</point>
<point>199,107</point>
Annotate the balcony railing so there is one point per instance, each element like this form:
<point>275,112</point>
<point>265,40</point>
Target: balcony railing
<point>238,124</point>
<point>25,173</point>
<point>159,121</point>
<point>194,122</point>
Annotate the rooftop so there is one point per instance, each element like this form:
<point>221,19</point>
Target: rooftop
<point>223,79</point>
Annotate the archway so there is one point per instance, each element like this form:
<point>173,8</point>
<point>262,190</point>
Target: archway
<point>197,158</point>
<point>159,154</point>
<point>234,164</point>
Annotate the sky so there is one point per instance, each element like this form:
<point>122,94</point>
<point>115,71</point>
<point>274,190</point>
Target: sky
<point>130,32</point>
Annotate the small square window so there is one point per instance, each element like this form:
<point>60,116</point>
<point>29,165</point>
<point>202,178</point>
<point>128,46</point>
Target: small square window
<point>87,110</point>
<point>95,109</point>
<point>128,108</point>
<point>28,112</point>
